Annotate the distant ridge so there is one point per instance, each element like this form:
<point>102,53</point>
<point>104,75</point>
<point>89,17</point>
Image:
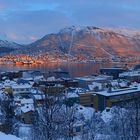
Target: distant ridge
<point>8,47</point>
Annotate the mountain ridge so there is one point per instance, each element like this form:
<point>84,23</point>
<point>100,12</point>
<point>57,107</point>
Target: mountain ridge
<point>85,41</point>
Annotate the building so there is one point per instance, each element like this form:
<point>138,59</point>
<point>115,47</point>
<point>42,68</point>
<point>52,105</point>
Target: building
<point>85,81</point>
<point>112,71</point>
<point>39,99</point>
<point>86,99</point>
<point>59,73</point>
<point>72,97</point>
<point>110,98</point>
<point>21,89</point>
<point>55,89</point>
<point>132,76</point>
<point>24,111</point>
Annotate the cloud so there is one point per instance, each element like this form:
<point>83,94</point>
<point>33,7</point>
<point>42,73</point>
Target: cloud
<point>24,21</point>
<point>24,25</point>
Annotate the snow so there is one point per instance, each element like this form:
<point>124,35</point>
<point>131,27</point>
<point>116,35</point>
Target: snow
<point>125,31</point>
<point>3,95</point>
<point>94,85</point>
<point>37,78</point>
<point>8,137</point>
<point>21,86</point>
<point>86,29</point>
<point>39,97</point>
<point>95,78</point>
<point>27,78</point>
<point>27,101</point>
<point>85,78</point>
<point>72,95</point>
<point>8,83</point>
<point>114,83</point>
<point>51,78</point>
<point>123,84</point>
<point>119,83</point>
<point>106,115</point>
<point>87,112</point>
<point>25,131</point>
<point>26,108</point>
<point>119,91</point>
<point>130,73</point>
<point>103,137</point>
<point>74,92</point>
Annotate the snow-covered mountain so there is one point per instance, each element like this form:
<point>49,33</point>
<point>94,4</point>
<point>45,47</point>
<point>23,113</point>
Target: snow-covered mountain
<point>7,46</point>
<point>126,31</point>
<point>87,42</point>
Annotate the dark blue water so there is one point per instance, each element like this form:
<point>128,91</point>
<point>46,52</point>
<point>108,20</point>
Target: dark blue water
<point>75,69</point>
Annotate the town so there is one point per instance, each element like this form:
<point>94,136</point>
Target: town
<point>52,105</point>
<point>24,59</point>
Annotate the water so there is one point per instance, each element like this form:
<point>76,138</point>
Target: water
<point>75,69</point>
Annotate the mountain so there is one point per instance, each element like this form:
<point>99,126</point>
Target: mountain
<point>7,47</point>
<point>86,42</point>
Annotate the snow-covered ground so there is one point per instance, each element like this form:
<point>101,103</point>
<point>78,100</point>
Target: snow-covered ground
<point>3,136</point>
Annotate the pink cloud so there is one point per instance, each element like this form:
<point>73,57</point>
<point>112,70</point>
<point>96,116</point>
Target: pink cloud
<point>20,37</point>
<point>33,38</point>
<point>13,36</point>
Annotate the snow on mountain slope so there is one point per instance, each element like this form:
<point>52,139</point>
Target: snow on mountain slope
<point>86,42</point>
<point>8,44</point>
<point>8,47</point>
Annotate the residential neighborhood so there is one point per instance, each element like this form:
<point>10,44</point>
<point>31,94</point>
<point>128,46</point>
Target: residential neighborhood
<point>31,100</point>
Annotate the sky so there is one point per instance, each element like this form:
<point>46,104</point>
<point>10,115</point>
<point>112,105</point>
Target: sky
<point>25,21</point>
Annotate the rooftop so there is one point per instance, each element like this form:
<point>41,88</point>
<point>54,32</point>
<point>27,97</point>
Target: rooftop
<point>119,91</point>
<point>21,86</point>
<point>130,73</point>
<point>93,78</point>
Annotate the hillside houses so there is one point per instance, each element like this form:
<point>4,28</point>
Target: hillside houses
<point>32,92</point>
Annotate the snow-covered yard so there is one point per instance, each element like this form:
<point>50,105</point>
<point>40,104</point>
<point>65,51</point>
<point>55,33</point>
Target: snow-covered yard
<point>3,136</point>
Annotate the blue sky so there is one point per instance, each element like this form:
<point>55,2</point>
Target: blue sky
<point>25,21</point>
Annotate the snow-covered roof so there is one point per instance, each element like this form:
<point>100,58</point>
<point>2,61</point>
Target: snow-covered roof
<point>27,108</point>
<point>86,78</point>
<point>21,86</point>
<point>130,73</point>
<point>51,78</point>
<point>24,100</point>
<point>8,83</point>
<point>103,77</point>
<point>24,109</point>
<point>74,92</point>
<point>39,77</point>
<point>39,96</point>
<point>119,83</point>
<point>123,84</point>
<point>94,78</point>
<point>119,91</point>
<point>27,78</point>
<point>27,101</point>
<point>113,68</point>
<point>72,95</point>
<point>95,84</point>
